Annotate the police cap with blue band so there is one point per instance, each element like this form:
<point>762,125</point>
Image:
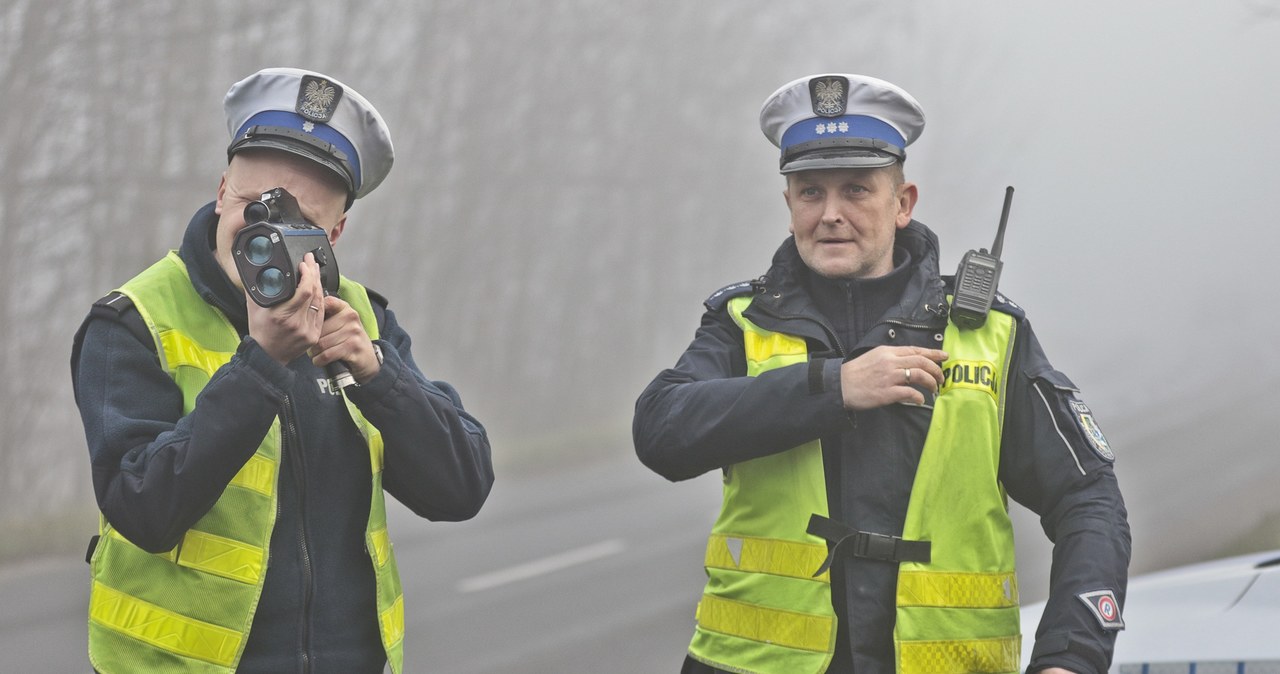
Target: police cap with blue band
<point>840,121</point>
<point>314,116</point>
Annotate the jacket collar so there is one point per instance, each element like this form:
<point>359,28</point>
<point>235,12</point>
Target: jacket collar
<point>782,297</point>
<point>206,275</point>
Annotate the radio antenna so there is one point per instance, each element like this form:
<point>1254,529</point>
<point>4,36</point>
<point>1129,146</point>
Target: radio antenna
<point>1004,220</point>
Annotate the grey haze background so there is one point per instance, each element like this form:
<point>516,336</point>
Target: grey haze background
<point>574,177</point>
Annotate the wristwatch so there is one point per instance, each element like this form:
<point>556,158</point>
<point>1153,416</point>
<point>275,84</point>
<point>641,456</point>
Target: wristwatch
<point>377,351</point>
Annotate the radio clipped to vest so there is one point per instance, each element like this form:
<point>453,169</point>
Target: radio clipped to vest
<point>978,278</point>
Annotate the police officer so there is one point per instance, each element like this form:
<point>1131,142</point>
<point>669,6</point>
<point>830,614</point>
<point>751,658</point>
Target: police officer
<point>867,442</point>
<point>243,523</point>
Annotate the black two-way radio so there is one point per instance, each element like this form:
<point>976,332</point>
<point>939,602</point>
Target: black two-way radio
<point>978,278</point>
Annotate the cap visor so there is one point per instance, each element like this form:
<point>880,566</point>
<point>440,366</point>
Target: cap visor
<point>858,160</point>
<point>285,145</point>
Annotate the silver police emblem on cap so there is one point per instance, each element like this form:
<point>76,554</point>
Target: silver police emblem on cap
<point>317,98</point>
<point>830,95</point>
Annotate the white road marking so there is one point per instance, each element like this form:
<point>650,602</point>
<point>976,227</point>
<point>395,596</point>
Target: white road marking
<point>540,567</point>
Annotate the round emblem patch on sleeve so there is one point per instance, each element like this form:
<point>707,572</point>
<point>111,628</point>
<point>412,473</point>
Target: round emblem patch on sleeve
<point>1103,605</point>
<point>1098,441</point>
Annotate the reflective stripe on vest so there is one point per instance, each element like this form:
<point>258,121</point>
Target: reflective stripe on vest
<point>956,614</point>
<point>162,628</point>
<point>258,474</point>
<point>789,629</point>
<point>959,612</point>
<point>940,589</point>
<point>214,554</point>
<point>766,555</point>
<point>762,609</point>
<point>191,608</point>
<point>1000,654</point>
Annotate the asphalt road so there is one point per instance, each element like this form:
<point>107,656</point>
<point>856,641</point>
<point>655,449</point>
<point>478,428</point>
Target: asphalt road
<point>562,572</point>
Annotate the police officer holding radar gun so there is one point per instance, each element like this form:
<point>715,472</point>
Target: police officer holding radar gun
<point>246,408</point>
<point>869,416</point>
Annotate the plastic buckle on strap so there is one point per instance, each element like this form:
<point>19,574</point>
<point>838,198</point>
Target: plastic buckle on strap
<point>875,546</point>
<point>846,540</point>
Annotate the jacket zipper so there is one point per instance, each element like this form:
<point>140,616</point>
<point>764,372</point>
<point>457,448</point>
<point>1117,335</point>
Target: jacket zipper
<point>908,324</point>
<point>297,465</point>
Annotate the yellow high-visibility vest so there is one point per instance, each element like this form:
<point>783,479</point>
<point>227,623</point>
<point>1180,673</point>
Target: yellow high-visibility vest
<point>763,611</point>
<point>190,609</point>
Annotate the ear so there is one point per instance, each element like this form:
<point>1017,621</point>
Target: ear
<point>222,191</point>
<point>786,196</point>
<point>337,230</point>
<point>907,196</point>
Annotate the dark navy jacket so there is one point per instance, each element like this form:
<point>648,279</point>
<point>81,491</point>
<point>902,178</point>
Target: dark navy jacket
<point>705,413</point>
<point>155,472</point>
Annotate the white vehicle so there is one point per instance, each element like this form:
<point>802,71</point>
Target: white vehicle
<point>1219,617</point>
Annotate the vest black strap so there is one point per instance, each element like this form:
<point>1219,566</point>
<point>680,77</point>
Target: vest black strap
<point>117,306</point>
<point>93,545</point>
<point>846,540</point>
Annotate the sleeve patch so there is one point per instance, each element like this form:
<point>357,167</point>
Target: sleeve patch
<point>1097,441</point>
<point>1103,605</point>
